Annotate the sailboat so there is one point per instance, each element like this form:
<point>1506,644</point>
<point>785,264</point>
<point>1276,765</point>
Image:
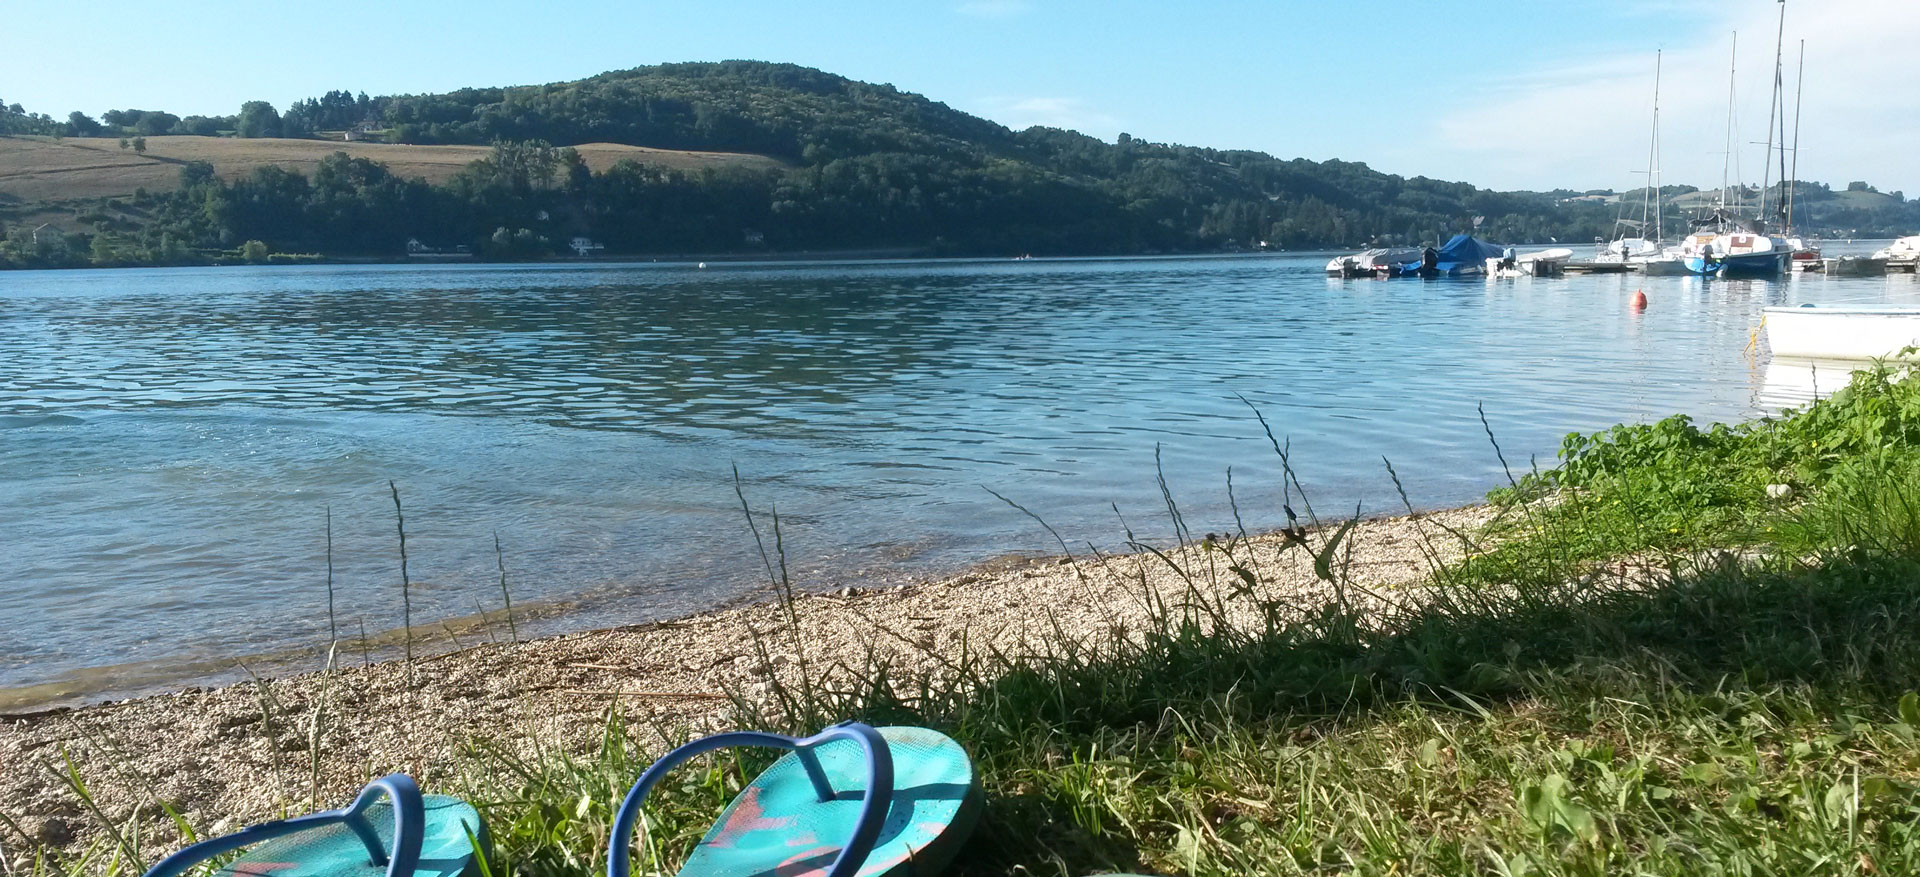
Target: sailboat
<point>1806,257</point>
<point>1723,243</point>
<point>1636,249</point>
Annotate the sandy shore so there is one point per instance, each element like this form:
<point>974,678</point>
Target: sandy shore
<point>230,756</point>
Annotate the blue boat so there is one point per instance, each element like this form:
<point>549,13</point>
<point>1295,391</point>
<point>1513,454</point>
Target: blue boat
<point>1727,246</point>
<point>1463,255</point>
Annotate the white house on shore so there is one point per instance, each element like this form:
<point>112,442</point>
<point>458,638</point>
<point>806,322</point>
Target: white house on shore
<point>585,246</point>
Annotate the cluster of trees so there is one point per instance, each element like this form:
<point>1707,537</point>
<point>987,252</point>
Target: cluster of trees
<point>333,111</point>
<point>122,123</point>
<point>14,119</point>
<point>783,110</point>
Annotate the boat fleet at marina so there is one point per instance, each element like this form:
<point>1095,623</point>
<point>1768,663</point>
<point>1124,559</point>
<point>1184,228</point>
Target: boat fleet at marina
<point>1724,241</point>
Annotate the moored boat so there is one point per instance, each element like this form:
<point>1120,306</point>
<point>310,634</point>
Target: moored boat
<point>1369,263</point>
<point>1540,263</point>
<point>1724,243</point>
<point>1811,332</point>
<point>1806,257</point>
<point>1632,253</point>
<point>1462,255</point>
<point>1665,265</point>
<point>1902,255</point>
<point>1735,251</point>
<point>1853,266</point>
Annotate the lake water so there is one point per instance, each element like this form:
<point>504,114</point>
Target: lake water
<point>172,441</point>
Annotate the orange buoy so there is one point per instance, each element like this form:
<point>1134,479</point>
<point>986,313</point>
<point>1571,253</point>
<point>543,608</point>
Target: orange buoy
<point>1639,300</point>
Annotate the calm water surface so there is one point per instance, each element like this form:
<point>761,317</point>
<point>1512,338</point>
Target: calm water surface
<point>172,441</point>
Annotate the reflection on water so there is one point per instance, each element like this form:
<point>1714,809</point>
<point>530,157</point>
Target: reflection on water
<point>172,441</point>
<point>1794,383</point>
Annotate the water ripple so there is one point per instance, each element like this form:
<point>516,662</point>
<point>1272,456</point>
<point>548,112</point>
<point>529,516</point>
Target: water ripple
<point>171,441</point>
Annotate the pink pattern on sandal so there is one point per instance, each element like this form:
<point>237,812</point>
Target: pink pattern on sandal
<point>747,818</point>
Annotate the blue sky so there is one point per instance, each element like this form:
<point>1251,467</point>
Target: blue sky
<point>1501,93</point>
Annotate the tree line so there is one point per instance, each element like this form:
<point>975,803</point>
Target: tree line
<point>866,166</point>
<point>528,199</point>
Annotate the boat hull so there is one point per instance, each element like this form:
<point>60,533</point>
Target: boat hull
<point>1841,333</point>
<point>1665,268</point>
<point>1701,266</point>
<point>1754,264</point>
<point>1854,266</point>
<point>1742,265</point>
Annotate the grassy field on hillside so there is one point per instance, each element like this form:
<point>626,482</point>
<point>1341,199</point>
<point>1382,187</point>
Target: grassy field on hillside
<point>42,169</point>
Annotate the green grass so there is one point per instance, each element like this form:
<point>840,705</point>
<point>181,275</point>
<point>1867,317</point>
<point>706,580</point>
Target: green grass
<point>1674,488</point>
<point>1538,710</point>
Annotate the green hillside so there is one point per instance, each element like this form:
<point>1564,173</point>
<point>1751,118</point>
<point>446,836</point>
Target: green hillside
<point>796,113</point>
<point>848,165</point>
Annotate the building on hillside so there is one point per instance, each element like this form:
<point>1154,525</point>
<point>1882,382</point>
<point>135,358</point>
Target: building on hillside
<point>418,250</point>
<point>584,246</point>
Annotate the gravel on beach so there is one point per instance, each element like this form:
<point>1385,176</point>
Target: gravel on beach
<point>231,756</point>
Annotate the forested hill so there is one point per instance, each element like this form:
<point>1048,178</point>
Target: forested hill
<point>856,166</point>
<point>898,148</point>
<point>783,110</point>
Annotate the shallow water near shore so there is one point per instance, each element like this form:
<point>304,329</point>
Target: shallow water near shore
<point>171,441</point>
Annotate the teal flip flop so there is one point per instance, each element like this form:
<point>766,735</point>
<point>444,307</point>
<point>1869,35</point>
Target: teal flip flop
<point>850,800</point>
<point>390,829</point>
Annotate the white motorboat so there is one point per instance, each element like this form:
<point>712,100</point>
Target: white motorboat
<point>1539,263</point>
<point>1810,332</point>
<point>1903,254</point>
<point>1369,263</point>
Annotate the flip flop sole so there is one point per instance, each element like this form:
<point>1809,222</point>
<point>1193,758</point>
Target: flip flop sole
<point>334,851</point>
<point>778,827</point>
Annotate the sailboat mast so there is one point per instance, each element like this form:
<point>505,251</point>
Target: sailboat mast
<point>1773,105</point>
<point>1799,84</point>
<point>1646,196</point>
<point>1659,231</point>
<point>1727,157</point>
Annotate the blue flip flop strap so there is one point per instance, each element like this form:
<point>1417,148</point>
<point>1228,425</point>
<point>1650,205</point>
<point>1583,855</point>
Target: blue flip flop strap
<point>874,803</point>
<point>409,826</point>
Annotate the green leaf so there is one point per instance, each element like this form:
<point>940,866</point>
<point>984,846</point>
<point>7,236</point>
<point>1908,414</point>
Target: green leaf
<point>1547,804</point>
<point>479,853</point>
<point>1877,788</point>
<point>1323,561</point>
<point>1578,820</point>
<point>1704,771</point>
<point>1910,709</point>
<point>1430,752</point>
<point>1838,799</point>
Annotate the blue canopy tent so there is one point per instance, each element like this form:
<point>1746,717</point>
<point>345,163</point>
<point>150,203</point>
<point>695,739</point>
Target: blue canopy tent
<point>1463,255</point>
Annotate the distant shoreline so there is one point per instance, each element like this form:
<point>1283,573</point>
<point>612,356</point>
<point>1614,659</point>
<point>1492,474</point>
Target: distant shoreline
<point>900,254</point>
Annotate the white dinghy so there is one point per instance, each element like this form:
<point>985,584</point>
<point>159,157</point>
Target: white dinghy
<point>1809,332</point>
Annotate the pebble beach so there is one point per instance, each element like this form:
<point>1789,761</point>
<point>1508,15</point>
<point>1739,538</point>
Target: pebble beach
<point>230,756</point>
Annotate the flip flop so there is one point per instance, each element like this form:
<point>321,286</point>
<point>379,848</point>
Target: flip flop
<point>852,799</point>
<point>389,829</point>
